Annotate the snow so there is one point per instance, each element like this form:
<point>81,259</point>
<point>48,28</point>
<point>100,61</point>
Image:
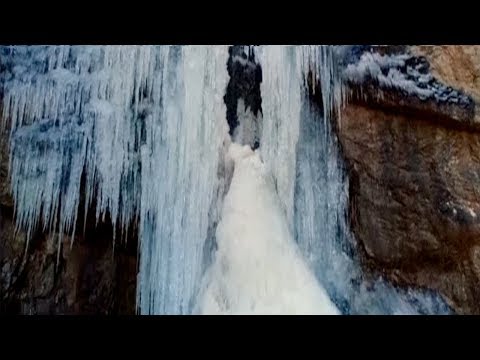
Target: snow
<point>384,69</point>
<point>145,125</point>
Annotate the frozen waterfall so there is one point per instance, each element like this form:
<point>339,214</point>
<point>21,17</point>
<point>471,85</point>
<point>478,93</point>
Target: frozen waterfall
<point>140,134</point>
<point>258,268</point>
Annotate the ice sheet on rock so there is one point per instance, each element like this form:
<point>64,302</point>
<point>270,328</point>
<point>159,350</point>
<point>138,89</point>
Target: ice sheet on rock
<point>144,125</point>
<point>281,101</point>
<point>180,159</point>
<point>249,130</point>
<point>322,230</point>
<point>94,87</point>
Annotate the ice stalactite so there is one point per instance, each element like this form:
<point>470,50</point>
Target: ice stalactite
<point>141,133</point>
<point>299,146</point>
<point>75,108</point>
<point>179,178</point>
<point>144,125</point>
<point>281,102</point>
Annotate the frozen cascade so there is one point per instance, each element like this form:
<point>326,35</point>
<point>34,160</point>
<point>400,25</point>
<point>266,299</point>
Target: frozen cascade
<point>258,268</point>
<point>286,72</point>
<point>321,229</point>
<point>70,108</point>
<point>300,149</point>
<point>144,125</point>
<point>179,175</point>
<point>282,81</point>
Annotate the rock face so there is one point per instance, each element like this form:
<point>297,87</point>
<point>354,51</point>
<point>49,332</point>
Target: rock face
<point>89,277</point>
<point>456,65</point>
<point>415,182</point>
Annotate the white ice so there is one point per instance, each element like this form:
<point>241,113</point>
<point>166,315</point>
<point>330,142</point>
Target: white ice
<point>258,268</point>
<point>146,126</point>
<point>373,65</point>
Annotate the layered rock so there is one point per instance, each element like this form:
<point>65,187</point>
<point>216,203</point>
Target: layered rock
<point>414,168</point>
<point>455,65</point>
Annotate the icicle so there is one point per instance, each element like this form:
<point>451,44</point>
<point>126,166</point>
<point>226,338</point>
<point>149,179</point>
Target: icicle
<point>281,102</point>
<point>70,112</point>
<point>179,169</point>
<point>321,200</point>
<point>145,126</point>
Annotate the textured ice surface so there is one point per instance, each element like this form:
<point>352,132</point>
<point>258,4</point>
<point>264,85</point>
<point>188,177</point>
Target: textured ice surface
<point>258,268</point>
<point>322,231</point>
<point>180,160</point>
<point>145,126</point>
<point>282,81</point>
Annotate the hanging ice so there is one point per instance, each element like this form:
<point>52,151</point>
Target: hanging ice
<point>139,134</point>
<point>299,145</point>
<point>179,178</point>
<point>76,108</point>
<point>282,81</point>
<point>144,125</point>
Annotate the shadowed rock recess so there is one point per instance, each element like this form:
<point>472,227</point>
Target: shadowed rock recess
<point>410,136</point>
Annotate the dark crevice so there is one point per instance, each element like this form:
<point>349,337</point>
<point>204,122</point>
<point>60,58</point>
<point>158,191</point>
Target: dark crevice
<point>245,79</point>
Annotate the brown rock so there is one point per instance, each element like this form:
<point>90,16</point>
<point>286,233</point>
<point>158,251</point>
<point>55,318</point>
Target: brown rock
<point>415,199</point>
<point>455,65</point>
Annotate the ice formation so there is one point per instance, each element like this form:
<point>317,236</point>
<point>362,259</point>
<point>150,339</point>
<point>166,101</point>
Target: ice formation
<point>73,108</point>
<point>179,179</point>
<point>299,147</point>
<point>139,134</point>
<point>402,72</point>
<point>322,231</point>
<point>144,125</point>
<point>258,268</point>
